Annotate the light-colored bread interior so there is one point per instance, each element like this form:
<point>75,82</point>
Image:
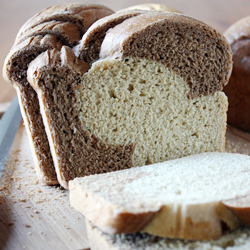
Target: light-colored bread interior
<point>184,195</point>
<point>119,100</point>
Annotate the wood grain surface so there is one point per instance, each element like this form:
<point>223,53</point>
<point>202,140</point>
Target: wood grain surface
<point>33,216</point>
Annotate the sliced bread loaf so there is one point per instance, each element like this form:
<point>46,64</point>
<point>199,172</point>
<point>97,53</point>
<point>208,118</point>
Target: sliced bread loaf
<point>49,29</point>
<point>98,240</point>
<point>181,198</point>
<point>153,95</point>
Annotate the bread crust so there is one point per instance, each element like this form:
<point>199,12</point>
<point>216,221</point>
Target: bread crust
<point>82,15</point>
<point>238,88</point>
<point>90,44</point>
<point>66,32</point>
<point>176,222</point>
<point>241,207</point>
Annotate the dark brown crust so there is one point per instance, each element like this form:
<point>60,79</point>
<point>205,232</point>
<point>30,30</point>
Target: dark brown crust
<point>78,152</point>
<point>192,49</point>
<point>82,15</point>
<point>238,88</point>
<point>90,45</point>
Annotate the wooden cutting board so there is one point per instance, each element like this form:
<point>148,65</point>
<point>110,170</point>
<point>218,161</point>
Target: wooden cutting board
<point>33,216</point>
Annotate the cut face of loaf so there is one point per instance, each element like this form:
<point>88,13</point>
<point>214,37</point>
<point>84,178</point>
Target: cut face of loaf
<point>98,240</point>
<point>140,103</point>
<point>181,198</point>
<point>49,29</point>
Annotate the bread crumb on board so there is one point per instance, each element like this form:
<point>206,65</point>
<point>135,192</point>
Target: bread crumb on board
<point>31,203</point>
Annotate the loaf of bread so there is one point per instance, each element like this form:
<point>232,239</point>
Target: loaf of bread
<point>238,88</point>
<point>49,29</point>
<point>98,240</point>
<point>154,94</point>
<point>184,198</point>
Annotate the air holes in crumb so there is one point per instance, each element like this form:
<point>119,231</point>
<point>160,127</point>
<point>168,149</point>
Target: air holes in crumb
<point>112,93</point>
<point>98,102</point>
<point>142,81</point>
<point>195,134</point>
<point>148,161</point>
<point>130,87</point>
<point>160,34</point>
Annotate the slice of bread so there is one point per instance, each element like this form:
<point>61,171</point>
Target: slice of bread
<point>49,29</point>
<point>153,95</point>
<point>98,240</point>
<point>181,198</point>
